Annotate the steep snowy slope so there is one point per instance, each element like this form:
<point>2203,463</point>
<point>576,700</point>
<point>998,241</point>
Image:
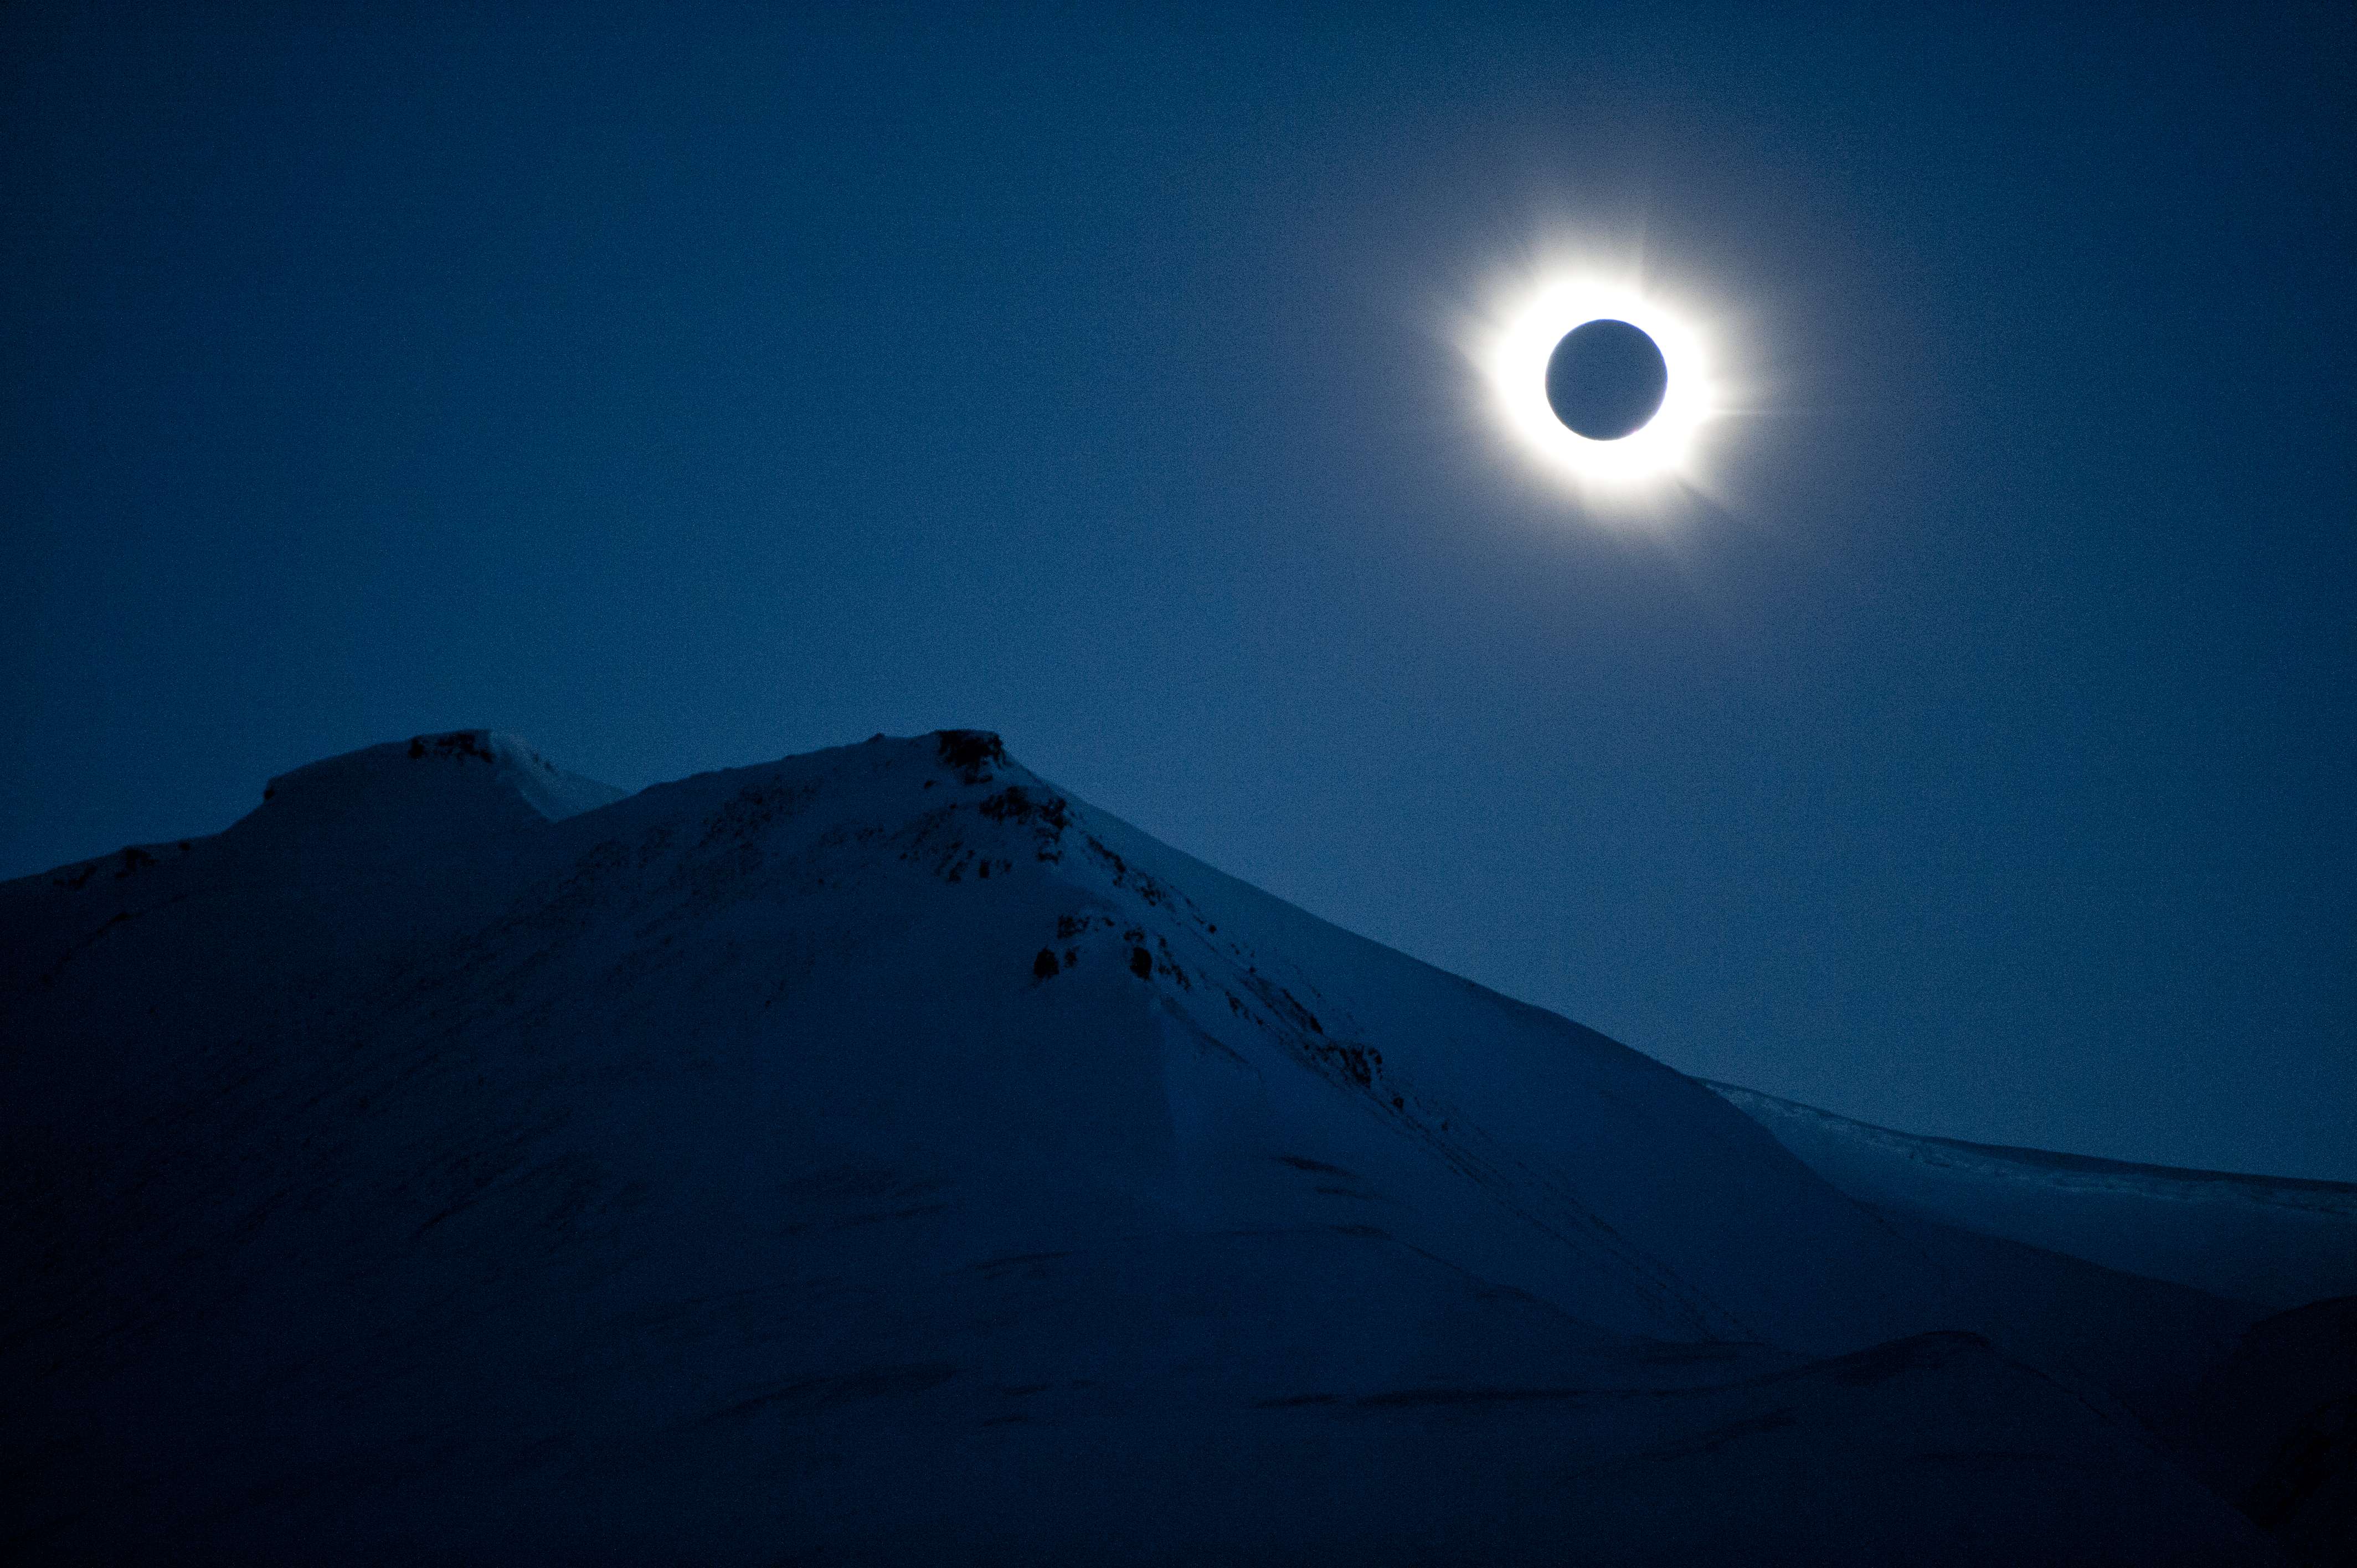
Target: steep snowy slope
<point>2274,1240</point>
<point>880,1154</point>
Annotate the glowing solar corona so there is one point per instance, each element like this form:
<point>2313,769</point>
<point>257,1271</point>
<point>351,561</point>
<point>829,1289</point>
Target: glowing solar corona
<point>1515,356</point>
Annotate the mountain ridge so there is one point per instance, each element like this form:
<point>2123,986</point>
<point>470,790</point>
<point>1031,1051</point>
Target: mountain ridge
<point>2279,1242</point>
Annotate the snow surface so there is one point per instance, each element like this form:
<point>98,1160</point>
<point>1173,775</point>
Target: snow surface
<point>882,1156</point>
<point>2274,1241</point>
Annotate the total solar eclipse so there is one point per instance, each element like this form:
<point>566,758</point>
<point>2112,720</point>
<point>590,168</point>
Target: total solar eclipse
<point>1608,384</point>
<point>1606,379</point>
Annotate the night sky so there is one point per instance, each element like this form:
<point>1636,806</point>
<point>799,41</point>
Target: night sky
<point>1970,748</point>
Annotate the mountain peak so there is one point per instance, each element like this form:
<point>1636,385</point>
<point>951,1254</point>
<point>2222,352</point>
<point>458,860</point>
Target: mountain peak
<point>971,753</point>
<point>480,756</point>
<point>403,798</point>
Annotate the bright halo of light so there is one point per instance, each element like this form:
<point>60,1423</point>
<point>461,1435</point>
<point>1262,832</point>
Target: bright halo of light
<point>1516,363</point>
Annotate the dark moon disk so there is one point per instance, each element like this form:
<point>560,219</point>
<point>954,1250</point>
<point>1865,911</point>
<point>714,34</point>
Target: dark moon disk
<point>1605,378</point>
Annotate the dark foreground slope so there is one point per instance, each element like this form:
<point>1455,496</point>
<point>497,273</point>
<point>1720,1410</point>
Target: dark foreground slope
<point>2278,1429</point>
<point>881,1157</point>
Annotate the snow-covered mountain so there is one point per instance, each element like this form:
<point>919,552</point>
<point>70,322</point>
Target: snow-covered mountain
<point>2275,1241</point>
<point>882,1156</point>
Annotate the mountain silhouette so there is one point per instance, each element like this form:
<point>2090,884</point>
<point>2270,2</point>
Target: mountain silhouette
<point>883,1155</point>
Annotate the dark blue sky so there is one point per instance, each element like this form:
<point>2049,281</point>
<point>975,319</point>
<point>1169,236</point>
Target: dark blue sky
<point>686,387</point>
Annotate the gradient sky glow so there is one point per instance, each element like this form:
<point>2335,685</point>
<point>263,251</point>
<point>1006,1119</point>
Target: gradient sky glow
<point>1970,750</point>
